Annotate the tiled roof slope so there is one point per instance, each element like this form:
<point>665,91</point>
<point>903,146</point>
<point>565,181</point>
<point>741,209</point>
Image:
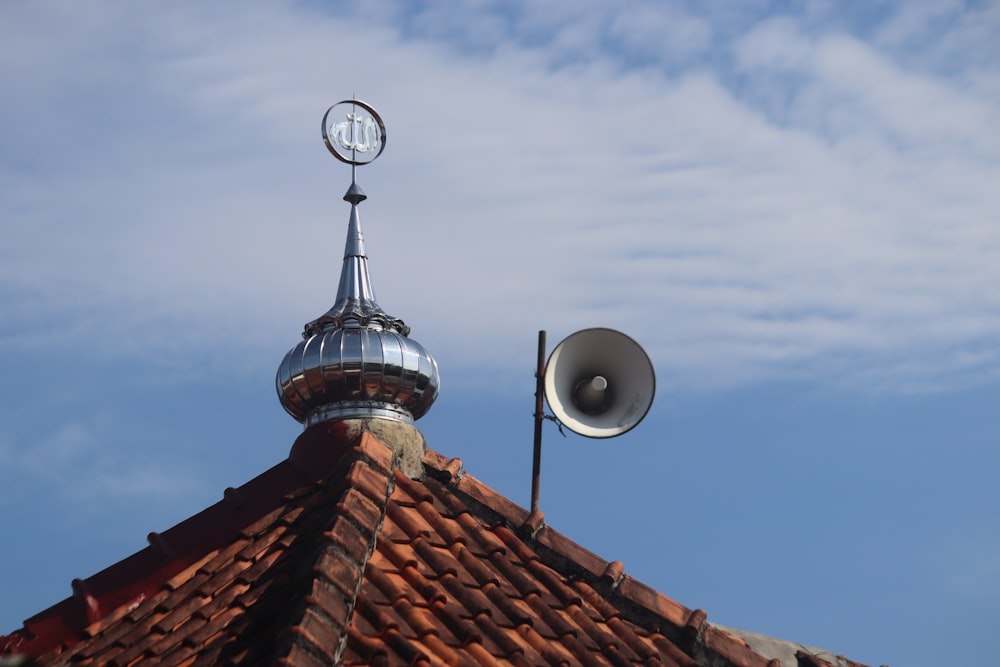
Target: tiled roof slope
<point>336,557</point>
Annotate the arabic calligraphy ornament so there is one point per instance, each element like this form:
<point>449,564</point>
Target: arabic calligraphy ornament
<point>352,136</point>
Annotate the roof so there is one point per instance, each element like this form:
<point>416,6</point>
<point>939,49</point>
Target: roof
<point>335,556</point>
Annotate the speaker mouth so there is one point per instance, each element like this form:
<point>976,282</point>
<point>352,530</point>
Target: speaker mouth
<point>592,395</point>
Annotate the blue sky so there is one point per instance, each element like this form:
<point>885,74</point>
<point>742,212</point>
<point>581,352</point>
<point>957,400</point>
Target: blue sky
<point>792,206</point>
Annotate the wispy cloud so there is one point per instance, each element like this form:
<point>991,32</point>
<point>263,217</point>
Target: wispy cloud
<point>750,197</point>
<point>88,466</point>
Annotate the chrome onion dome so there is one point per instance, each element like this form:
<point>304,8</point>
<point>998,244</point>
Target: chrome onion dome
<point>356,361</point>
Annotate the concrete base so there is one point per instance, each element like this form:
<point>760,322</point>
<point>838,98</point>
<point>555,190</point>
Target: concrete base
<point>404,439</point>
<point>320,446</point>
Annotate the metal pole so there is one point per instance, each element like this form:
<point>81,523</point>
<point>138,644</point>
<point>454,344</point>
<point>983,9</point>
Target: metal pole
<point>536,466</point>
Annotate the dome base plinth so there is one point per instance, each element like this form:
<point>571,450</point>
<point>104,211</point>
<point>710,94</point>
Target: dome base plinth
<point>358,410</point>
<point>331,438</point>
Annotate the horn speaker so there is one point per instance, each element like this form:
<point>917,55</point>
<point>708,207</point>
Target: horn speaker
<point>599,383</point>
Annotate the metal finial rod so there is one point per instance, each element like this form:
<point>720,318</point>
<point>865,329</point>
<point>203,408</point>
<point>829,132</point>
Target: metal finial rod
<point>536,464</point>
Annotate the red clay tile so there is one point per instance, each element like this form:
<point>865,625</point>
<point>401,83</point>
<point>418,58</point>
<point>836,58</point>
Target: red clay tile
<point>397,554</point>
<point>515,609</point>
<point>480,494</point>
<point>349,539</point>
<point>299,656</point>
<point>476,567</point>
<point>322,636</point>
<point>378,454</point>
<point>807,660</point>
<point>630,639</point>
<point>364,513</point>
<point>408,494</point>
<point>596,600</point>
<point>696,620</point>
<point>140,649</point>
<point>448,529</point>
<point>514,572</point>
<point>553,652</point>
<point>364,648</point>
<point>334,557</point>
<point>653,601</point>
<point>613,573</point>
<point>368,481</point>
<point>732,649</point>
<point>560,548</point>
<point>485,543</point>
<point>224,598</point>
<point>671,653</point>
<point>439,562</point>
<point>532,524</point>
<point>472,600</point>
<point>179,614</point>
<point>409,651</point>
<point>330,601</point>
<point>392,587</point>
<point>412,524</point>
<point>554,583</point>
<point>338,571</point>
<point>209,656</point>
<point>481,656</point>
<point>417,620</point>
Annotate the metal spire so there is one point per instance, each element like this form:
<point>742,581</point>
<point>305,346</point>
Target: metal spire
<point>355,305</point>
<point>356,361</point>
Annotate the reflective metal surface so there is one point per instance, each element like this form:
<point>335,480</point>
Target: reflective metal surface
<point>355,371</point>
<point>347,131</point>
<point>356,361</point>
<point>355,302</point>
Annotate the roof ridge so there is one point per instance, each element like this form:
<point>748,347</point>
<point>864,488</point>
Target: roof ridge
<point>337,570</point>
<point>301,566</point>
<point>140,575</point>
<point>551,546</point>
<point>603,583</point>
<point>122,587</point>
<point>256,599</point>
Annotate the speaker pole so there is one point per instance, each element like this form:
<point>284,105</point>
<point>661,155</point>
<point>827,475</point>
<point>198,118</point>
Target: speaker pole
<point>536,466</point>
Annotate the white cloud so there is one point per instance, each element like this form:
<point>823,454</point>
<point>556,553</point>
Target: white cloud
<point>774,44</point>
<point>661,31</point>
<point>920,112</point>
<point>186,203</point>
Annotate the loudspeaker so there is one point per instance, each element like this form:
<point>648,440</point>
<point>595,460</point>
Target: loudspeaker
<point>599,383</point>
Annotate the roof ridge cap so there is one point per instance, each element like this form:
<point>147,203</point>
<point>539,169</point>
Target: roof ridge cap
<point>784,650</point>
<point>443,469</point>
<point>338,568</point>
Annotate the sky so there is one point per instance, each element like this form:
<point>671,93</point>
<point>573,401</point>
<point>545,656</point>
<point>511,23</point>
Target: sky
<point>793,207</point>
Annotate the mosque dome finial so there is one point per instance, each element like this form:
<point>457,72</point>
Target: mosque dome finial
<point>356,361</point>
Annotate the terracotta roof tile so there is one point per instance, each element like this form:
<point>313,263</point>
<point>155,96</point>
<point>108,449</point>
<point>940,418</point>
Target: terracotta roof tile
<point>443,547</point>
<point>731,648</point>
<point>335,557</point>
